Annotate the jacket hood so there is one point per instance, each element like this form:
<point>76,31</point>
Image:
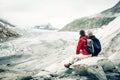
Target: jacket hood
<point>92,37</point>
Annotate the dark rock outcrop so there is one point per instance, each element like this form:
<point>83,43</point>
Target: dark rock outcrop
<point>6,33</point>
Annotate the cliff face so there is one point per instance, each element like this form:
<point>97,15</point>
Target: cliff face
<point>95,21</point>
<point>109,36</point>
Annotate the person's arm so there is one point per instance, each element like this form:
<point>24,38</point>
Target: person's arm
<point>79,46</point>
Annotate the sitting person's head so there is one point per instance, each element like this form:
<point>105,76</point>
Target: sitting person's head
<point>82,33</point>
<point>89,32</point>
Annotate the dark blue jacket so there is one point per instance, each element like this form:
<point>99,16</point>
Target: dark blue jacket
<point>96,44</point>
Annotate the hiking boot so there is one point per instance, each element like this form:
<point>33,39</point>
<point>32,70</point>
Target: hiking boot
<point>67,65</point>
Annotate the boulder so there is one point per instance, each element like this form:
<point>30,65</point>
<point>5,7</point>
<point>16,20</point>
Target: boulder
<point>106,64</point>
<point>91,67</point>
<point>96,72</point>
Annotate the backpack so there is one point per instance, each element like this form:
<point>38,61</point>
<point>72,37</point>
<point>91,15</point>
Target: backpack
<point>93,46</point>
<point>90,47</point>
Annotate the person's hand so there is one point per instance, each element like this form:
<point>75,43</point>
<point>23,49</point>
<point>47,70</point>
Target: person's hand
<point>80,51</point>
<point>76,54</point>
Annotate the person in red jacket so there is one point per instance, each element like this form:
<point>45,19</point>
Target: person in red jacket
<point>81,48</point>
<point>82,43</point>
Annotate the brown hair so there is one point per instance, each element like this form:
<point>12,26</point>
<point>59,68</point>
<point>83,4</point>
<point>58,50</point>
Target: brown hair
<point>82,33</point>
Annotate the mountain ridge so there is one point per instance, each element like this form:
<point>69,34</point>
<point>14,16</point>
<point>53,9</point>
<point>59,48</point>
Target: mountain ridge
<point>94,21</point>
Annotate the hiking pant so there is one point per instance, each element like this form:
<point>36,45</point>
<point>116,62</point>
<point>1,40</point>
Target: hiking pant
<point>76,58</point>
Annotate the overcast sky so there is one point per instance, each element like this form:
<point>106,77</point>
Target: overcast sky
<point>56,12</point>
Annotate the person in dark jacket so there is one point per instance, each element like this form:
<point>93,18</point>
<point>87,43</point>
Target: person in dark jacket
<point>97,44</point>
<point>81,49</point>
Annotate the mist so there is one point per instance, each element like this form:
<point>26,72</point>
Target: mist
<point>56,12</point>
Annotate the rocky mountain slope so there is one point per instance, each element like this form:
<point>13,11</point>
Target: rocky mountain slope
<point>95,21</point>
<point>109,36</point>
<point>113,11</point>
<point>6,33</point>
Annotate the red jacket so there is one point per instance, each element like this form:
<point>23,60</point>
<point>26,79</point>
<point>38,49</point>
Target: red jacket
<point>82,46</point>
